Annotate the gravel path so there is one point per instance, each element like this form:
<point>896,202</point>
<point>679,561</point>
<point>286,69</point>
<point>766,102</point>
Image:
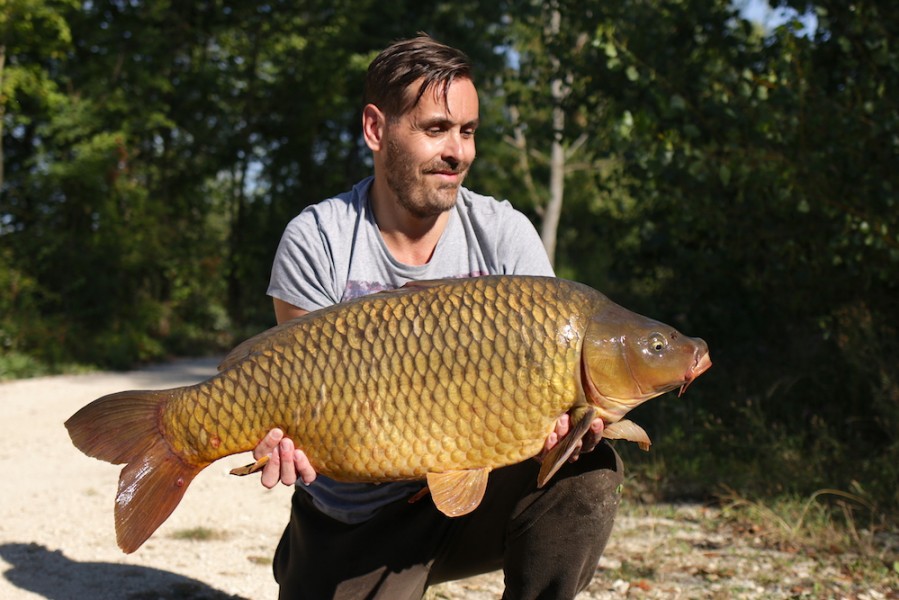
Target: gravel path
<point>57,539</point>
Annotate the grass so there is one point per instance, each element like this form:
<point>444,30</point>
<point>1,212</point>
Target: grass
<point>828,524</point>
<point>829,544</point>
<point>634,571</point>
<point>200,534</point>
<point>827,518</point>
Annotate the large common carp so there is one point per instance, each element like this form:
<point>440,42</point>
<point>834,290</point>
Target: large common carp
<point>442,381</point>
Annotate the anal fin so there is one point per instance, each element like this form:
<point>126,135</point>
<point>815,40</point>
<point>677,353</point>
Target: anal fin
<point>457,493</point>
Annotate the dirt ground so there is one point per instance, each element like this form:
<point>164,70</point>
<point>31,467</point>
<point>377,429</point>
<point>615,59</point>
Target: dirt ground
<point>57,539</point>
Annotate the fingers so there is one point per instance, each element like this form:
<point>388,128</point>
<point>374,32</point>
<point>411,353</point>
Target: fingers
<point>272,471</point>
<point>551,440</point>
<point>268,443</point>
<point>563,424</point>
<point>287,463</point>
<point>303,467</point>
<point>585,444</point>
<point>593,435</point>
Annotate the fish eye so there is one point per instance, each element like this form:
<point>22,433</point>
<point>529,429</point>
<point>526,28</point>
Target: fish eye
<point>657,342</point>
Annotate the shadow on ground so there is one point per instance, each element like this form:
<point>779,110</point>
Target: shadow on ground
<point>50,574</point>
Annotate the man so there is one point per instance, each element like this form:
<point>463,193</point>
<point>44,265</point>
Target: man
<point>413,220</point>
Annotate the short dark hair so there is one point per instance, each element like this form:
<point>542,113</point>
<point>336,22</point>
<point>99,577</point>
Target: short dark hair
<point>403,63</point>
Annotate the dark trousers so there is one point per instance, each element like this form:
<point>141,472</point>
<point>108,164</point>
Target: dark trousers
<point>547,541</point>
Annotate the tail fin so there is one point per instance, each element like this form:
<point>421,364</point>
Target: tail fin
<point>125,428</point>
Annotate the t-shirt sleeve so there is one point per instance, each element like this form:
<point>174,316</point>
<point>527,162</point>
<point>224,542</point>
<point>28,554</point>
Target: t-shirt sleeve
<point>520,248</point>
<point>303,269</point>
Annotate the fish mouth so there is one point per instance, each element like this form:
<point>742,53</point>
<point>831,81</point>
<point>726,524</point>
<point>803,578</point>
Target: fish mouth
<point>699,366</point>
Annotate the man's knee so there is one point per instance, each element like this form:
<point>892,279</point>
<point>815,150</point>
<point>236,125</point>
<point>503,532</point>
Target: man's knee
<point>595,476</point>
<point>555,541</point>
<point>585,491</point>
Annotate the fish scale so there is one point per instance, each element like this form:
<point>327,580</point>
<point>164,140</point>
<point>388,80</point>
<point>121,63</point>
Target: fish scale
<point>441,381</point>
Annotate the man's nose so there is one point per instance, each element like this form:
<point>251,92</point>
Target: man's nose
<point>454,149</point>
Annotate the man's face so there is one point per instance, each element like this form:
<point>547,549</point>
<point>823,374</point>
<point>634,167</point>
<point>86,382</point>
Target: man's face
<point>429,149</point>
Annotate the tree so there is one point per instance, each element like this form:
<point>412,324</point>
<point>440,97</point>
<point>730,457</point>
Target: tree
<point>179,130</point>
<point>542,117</point>
<point>31,31</point>
<point>759,211</point>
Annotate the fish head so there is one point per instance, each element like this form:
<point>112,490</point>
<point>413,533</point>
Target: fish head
<point>628,359</point>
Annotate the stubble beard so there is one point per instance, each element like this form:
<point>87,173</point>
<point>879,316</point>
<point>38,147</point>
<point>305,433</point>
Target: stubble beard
<point>407,181</point>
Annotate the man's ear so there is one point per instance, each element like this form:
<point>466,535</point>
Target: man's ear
<point>373,124</point>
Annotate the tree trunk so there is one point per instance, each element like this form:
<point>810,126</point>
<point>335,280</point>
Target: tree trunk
<point>558,89</point>
<point>2,109</point>
<point>553,212</point>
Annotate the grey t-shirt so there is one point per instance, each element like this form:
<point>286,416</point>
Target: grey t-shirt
<point>333,251</point>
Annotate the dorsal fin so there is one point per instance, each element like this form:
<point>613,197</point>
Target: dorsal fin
<point>258,342</point>
<point>429,283</point>
<point>457,493</point>
<point>265,339</point>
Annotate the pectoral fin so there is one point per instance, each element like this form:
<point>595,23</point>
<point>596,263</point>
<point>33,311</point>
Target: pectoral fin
<point>251,468</point>
<point>581,418</point>
<point>457,493</point>
<point>627,430</point>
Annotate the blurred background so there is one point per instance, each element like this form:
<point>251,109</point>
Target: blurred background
<point>729,168</point>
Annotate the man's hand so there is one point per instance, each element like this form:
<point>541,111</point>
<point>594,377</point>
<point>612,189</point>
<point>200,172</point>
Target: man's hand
<point>586,443</point>
<point>287,464</point>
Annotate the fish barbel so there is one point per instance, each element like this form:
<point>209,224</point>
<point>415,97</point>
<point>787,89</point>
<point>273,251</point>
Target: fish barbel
<point>440,381</point>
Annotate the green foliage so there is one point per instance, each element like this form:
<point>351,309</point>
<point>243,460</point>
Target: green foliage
<point>152,174</point>
<point>754,207</point>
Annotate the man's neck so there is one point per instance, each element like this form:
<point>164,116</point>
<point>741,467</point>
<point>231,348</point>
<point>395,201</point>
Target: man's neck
<point>410,239</point>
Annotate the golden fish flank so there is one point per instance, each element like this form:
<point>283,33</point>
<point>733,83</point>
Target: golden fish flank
<point>442,381</point>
